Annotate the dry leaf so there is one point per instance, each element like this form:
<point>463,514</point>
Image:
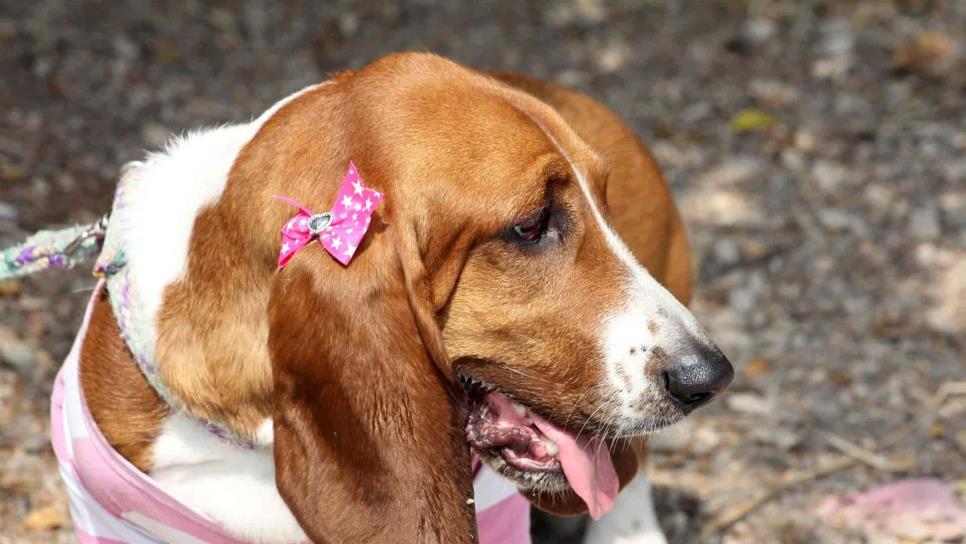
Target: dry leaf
<point>9,287</point>
<point>756,367</point>
<point>919,509</point>
<point>924,51</point>
<point>43,519</point>
<point>751,120</point>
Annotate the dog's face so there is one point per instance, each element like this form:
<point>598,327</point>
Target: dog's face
<point>543,310</point>
<point>490,303</point>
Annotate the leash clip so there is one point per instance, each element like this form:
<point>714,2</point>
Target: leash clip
<point>96,230</point>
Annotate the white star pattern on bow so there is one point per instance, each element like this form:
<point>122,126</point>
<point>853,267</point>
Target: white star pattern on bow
<point>344,234</point>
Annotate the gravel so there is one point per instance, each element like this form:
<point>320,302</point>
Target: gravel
<point>817,149</point>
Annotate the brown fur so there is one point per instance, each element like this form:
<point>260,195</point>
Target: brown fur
<point>127,410</point>
<point>354,364</point>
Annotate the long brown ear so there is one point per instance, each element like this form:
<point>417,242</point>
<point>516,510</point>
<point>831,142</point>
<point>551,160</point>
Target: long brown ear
<point>369,445</point>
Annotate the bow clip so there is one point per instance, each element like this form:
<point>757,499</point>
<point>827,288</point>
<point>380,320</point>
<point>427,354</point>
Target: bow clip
<point>339,230</point>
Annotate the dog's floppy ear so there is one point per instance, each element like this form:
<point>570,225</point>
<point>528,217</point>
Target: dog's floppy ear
<point>368,441</point>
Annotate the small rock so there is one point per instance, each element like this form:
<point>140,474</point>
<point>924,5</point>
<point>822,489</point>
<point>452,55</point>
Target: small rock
<point>155,135</point>
<point>731,172</point>
<point>348,24</point>
<point>8,212</point>
<point>726,251</point>
<point>758,30</point>
<point>723,207</point>
<point>793,160</point>
<point>773,93</point>
<point>953,206</point>
<point>612,58</point>
<point>836,37</point>
<point>829,175</point>
<point>879,197</point>
<point>948,290</point>
<point>753,249</point>
<point>748,403</point>
<point>14,352</point>
<point>571,78</point>
<point>675,438</point>
<point>834,219</point>
<point>591,11</point>
<point>832,68</point>
<point>705,439</point>
<point>782,438</point>
<point>696,112</point>
<point>924,223</point>
<point>805,141</point>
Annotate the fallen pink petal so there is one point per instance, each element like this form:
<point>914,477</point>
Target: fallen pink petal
<point>924,509</point>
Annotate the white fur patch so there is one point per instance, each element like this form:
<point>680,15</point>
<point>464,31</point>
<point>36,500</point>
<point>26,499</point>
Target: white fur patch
<point>627,327</point>
<point>631,521</point>
<point>231,485</point>
<point>265,433</point>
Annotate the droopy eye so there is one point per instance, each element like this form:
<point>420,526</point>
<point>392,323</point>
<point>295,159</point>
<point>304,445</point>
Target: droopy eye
<point>532,229</point>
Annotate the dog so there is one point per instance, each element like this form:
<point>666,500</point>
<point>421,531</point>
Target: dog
<point>520,288</point>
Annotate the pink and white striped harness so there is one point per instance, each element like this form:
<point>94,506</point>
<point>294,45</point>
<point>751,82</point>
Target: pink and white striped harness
<point>111,501</point>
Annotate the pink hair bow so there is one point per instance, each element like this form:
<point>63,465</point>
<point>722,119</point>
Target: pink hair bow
<point>339,230</point>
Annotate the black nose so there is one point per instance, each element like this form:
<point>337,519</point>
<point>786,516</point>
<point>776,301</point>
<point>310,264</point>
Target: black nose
<point>695,376</point>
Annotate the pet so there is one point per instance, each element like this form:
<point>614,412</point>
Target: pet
<point>520,289</point>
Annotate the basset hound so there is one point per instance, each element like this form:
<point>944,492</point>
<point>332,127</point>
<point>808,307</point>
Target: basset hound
<point>512,319</point>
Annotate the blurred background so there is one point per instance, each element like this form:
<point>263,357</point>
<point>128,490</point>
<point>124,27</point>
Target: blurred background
<point>817,150</point>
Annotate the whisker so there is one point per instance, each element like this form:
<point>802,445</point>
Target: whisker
<point>589,418</point>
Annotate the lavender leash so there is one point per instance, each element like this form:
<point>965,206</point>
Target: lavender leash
<point>53,249</point>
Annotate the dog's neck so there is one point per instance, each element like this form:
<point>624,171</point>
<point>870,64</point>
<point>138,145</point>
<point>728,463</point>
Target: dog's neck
<point>147,243</point>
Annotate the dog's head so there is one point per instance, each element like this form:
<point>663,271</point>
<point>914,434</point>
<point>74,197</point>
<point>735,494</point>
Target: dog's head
<point>490,302</point>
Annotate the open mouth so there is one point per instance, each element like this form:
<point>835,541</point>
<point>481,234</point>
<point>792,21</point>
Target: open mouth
<point>505,428</point>
<point>535,453</point>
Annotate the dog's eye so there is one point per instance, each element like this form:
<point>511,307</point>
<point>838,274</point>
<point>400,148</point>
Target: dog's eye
<point>532,229</point>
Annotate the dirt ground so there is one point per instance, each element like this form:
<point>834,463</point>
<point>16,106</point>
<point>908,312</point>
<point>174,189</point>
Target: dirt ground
<point>817,149</point>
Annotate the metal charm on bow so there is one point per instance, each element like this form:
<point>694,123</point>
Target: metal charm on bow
<point>339,230</point>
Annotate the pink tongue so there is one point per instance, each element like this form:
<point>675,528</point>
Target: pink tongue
<point>586,464</point>
<point>586,461</point>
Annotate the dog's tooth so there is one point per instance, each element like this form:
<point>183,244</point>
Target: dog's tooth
<point>552,448</point>
<point>520,409</point>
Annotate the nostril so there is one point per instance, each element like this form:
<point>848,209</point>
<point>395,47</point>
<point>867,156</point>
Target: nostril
<point>694,379</point>
<point>696,399</point>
